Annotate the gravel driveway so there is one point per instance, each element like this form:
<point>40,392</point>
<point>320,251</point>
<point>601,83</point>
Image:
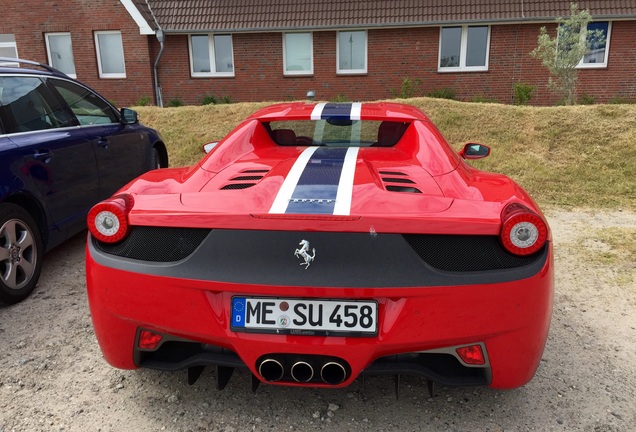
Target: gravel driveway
<point>53,377</point>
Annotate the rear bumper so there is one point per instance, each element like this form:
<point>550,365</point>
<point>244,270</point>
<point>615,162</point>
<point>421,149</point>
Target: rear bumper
<point>510,319</point>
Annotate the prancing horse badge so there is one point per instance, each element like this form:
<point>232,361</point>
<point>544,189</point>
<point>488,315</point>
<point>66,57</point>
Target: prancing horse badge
<point>303,252</point>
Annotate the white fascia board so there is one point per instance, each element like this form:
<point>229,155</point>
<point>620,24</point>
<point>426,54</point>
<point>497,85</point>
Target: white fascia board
<point>144,28</point>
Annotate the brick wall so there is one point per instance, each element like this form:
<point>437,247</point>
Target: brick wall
<point>29,20</point>
<point>394,54</point>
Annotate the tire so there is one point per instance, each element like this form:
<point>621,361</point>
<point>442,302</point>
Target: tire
<point>155,159</point>
<point>20,253</point>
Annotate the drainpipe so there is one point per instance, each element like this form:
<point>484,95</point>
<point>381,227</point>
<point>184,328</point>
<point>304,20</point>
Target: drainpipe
<point>160,38</point>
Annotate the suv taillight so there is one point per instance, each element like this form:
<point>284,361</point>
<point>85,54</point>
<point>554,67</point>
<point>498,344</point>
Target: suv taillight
<point>108,220</point>
<point>523,232</point>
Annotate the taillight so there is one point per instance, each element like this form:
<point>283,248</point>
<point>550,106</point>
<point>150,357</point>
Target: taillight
<point>523,232</point>
<point>108,220</point>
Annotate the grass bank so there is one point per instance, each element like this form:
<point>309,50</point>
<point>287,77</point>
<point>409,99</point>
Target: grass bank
<point>581,156</point>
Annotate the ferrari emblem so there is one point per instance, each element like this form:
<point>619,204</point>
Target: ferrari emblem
<point>303,252</point>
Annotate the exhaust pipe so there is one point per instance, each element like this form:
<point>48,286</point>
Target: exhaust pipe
<point>271,370</point>
<point>302,371</point>
<point>333,373</point>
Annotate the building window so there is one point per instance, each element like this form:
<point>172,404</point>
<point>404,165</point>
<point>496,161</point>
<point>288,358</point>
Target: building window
<point>8,48</point>
<point>597,56</point>
<point>464,49</point>
<point>211,55</point>
<point>352,52</point>
<point>60,51</point>
<point>298,56</point>
<point>110,54</point>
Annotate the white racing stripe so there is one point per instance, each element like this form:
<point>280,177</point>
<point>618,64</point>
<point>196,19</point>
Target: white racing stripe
<point>345,186</point>
<point>317,112</point>
<point>287,189</point>
<point>356,110</point>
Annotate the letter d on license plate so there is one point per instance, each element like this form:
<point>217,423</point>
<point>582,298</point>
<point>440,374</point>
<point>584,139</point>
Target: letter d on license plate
<point>305,317</point>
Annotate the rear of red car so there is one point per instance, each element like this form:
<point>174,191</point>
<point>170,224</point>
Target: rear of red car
<point>312,264</point>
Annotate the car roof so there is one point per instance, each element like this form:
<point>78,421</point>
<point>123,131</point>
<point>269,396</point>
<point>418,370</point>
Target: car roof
<point>380,111</point>
<point>44,69</point>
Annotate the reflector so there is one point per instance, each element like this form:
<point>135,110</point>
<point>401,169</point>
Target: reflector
<point>148,339</point>
<point>472,355</point>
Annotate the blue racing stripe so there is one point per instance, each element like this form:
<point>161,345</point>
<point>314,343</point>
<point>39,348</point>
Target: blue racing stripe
<point>341,111</point>
<point>317,187</point>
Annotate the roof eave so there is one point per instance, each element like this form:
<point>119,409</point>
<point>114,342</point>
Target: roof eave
<point>509,21</point>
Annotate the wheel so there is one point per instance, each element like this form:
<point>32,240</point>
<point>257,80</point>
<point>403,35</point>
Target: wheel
<point>20,253</point>
<point>155,159</point>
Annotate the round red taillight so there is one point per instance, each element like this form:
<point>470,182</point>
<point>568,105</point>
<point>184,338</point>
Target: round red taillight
<point>108,220</point>
<point>523,232</point>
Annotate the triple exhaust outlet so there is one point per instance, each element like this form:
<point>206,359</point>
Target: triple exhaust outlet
<point>330,371</point>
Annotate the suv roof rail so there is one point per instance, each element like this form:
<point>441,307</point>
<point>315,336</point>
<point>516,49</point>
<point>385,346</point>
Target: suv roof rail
<point>33,63</point>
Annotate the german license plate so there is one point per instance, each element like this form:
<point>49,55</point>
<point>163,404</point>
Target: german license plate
<point>305,317</point>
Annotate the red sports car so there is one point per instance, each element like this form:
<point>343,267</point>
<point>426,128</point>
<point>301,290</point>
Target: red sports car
<point>320,242</point>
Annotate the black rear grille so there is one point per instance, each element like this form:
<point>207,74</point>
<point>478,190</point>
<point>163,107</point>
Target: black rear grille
<point>156,243</point>
<point>466,253</point>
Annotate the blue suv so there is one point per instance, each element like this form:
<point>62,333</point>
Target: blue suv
<point>63,148</point>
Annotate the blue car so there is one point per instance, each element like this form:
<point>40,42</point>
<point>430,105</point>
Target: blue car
<point>63,148</point>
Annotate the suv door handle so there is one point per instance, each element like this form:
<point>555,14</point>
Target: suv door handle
<point>102,142</point>
<point>43,155</point>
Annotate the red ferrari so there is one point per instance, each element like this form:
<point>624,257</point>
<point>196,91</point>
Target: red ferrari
<point>319,243</point>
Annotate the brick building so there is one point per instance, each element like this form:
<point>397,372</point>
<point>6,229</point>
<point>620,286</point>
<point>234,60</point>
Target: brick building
<point>255,50</point>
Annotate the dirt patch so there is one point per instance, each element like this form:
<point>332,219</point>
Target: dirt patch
<point>53,377</point>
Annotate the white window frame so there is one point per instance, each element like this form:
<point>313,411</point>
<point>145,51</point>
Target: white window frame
<point>13,45</point>
<point>48,49</point>
<point>366,55</point>
<point>602,65</point>
<point>212,72</point>
<point>99,59</point>
<point>463,47</point>
<point>311,55</point>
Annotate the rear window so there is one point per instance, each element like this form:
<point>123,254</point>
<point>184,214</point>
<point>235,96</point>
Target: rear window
<point>336,132</point>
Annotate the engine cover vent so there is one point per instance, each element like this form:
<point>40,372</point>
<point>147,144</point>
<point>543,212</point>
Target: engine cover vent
<point>245,179</point>
<point>396,181</point>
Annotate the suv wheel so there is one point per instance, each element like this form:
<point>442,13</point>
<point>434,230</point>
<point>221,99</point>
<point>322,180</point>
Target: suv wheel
<point>20,253</point>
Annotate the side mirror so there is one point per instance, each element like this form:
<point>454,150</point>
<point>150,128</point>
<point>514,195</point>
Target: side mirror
<point>128,116</point>
<point>474,151</point>
<point>207,148</point>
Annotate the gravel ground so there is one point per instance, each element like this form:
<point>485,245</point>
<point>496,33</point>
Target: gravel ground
<point>53,377</point>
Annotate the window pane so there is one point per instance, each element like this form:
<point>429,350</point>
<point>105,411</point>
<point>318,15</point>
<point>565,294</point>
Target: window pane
<point>297,52</point>
<point>61,51</point>
<point>200,54</point>
<point>8,51</point>
<point>86,105</point>
<point>223,53</point>
<point>352,46</point>
<point>111,53</point>
<point>31,105</point>
<point>450,50</point>
<point>476,47</point>
<point>597,51</point>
